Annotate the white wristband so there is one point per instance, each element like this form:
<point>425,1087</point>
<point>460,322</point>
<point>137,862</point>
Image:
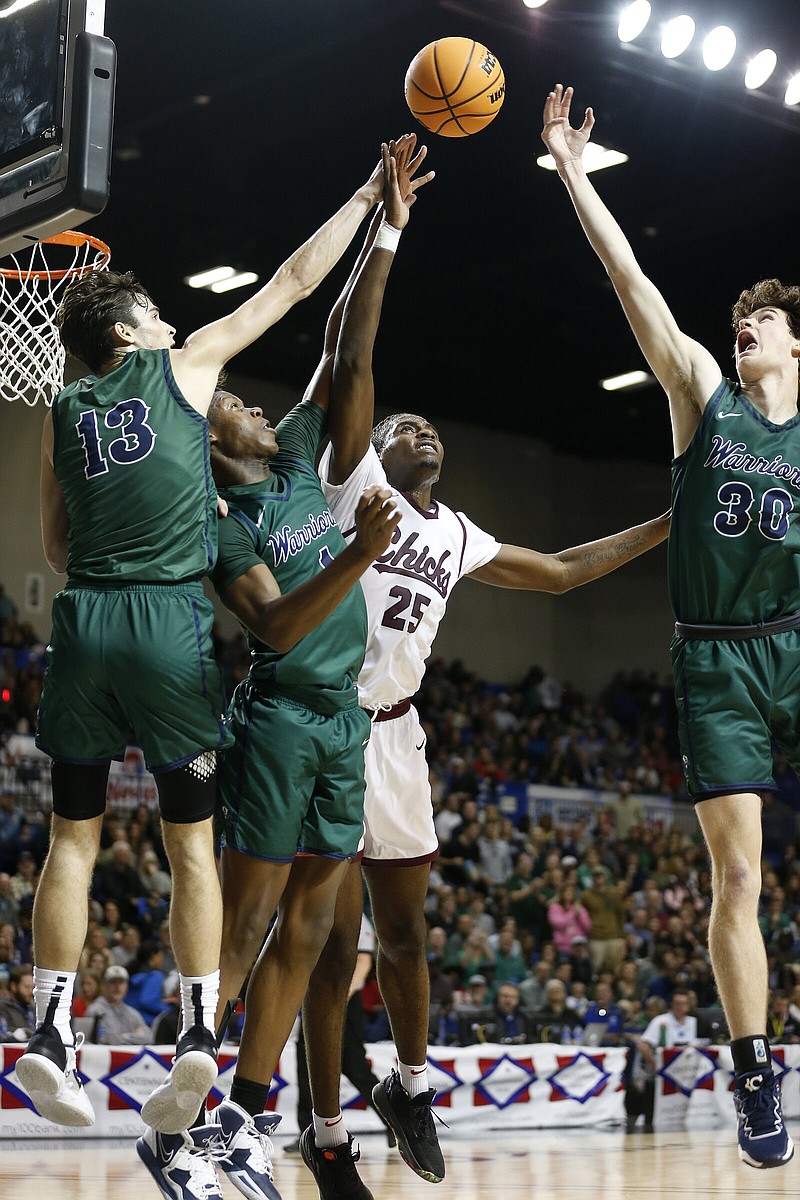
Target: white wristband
<point>387,236</point>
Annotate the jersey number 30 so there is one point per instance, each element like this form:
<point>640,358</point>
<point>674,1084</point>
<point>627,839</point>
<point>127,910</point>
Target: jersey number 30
<point>738,498</point>
<point>134,443</point>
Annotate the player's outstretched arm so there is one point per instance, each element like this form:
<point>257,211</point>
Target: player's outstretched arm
<point>517,567</point>
<point>352,403</point>
<point>281,620</point>
<point>318,389</point>
<point>55,522</point>
<point>207,350</point>
<point>686,371</point>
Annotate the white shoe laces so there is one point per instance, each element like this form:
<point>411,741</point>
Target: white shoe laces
<point>261,1148</point>
<point>72,1055</point>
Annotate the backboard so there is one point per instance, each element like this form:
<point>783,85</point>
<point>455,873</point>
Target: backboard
<point>57,74</point>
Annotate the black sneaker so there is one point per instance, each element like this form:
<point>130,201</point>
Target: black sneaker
<point>412,1122</point>
<point>292,1147</point>
<point>334,1168</point>
<point>173,1106</point>
<point>763,1140</point>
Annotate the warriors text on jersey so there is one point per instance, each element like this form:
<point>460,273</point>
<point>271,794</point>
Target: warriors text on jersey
<point>284,521</point>
<point>132,458</point>
<point>734,538</point>
<point>407,588</point>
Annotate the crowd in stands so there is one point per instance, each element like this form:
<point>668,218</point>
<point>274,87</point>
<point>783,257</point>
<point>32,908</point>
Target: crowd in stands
<point>537,931</point>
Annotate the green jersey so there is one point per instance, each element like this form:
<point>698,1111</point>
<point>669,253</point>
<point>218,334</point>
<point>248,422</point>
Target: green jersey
<point>284,521</point>
<point>132,458</point>
<point>734,543</point>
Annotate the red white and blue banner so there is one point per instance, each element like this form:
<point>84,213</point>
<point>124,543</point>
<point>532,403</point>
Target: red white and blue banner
<point>536,1087</point>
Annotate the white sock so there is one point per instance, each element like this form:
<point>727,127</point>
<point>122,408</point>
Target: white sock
<point>414,1079</point>
<point>199,999</point>
<point>330,1131</point>
<point>52,991</point>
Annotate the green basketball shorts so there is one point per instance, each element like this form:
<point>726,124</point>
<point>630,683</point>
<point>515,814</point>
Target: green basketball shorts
<point>135,658</point>
<point>293,781</point>
<point>735,698</point>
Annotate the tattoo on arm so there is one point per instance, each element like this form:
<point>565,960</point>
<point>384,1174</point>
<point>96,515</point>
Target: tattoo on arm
<point>623,547</point>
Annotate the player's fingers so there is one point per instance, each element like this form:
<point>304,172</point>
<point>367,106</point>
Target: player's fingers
<point>416,161</point>
<point>423,179</point>
<point>588,121</point>
<point>385,156</point>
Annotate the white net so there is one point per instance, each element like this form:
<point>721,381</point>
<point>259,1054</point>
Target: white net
<point>32,282</point>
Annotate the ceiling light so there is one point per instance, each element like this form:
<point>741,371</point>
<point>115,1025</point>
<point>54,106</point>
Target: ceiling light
<point>534,3</point>
<point>631,379</point>
<point>792,94</point>
<point>205,279</point>
<point>676,36</point>
<point>760,68</point>
<point>595,158</point>
<point>719,48</point>
<point>633,20</point>
<point>240,279</point>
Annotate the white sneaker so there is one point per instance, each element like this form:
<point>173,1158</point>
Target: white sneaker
<point>241,1146</point>
<point>48,1072</point>
<point>173,1105</point>
<point>179,1173</point>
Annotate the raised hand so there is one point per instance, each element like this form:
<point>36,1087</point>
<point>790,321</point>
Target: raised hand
<point>377,517</point>
<point>400,165</point>
<point>564,143</point>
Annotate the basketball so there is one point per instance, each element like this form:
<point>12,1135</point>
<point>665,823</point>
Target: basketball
<point>455,87</point>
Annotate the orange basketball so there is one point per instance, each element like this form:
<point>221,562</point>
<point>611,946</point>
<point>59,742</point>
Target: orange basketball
<point>455,87</point>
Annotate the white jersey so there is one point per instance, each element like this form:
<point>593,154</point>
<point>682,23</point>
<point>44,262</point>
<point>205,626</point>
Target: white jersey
<point>407,588</point>
<point>667,1030</point>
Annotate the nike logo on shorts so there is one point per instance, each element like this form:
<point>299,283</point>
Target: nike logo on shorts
<point>422,743</point>
<point>722,416</point>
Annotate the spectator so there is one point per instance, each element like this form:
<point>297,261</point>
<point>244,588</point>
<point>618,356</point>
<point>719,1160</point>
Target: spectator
<point>151,875</point>
<point>88,991</point>
<point>11,817</point>
<point>532,989</point>
<point>477,954</point>
<point>116,1023</point>
<point>581,963</point>
<point>555,1021</point>
<point>127,948</point>
<point>17,1015</point>
<point>524,902</point>
<point>496,861</point>
<point>508,966</point>
<point>146,990</point>
<point>782,1028</point>
<point>509,1024</point>
<point>603,1011</point>
<point>22,881</point>
<point>605,907</point>
<point>9,906</point>
<point>673,1028</point>
<point>568,919</point>
<point>117,880</point>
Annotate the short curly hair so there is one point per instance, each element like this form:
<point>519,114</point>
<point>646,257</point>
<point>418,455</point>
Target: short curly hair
<point>770,293</point>
<point>383,431</point>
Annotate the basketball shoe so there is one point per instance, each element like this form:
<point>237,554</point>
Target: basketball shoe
<point>763,1140</point>
<point>240,1145</point>
<point>48,1072</point>
<point>179,1173</point>
<point>175,1103</point>
<point>412,1122</point>
<point>334,1168</point>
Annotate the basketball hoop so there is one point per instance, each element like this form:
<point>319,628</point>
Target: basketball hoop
<point>31,355</point>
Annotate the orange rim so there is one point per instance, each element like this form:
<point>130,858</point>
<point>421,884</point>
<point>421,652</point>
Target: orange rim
<point>70,237</point>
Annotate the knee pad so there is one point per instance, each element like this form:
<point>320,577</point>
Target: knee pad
<point>187,794</point>
<point>79,789</point>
